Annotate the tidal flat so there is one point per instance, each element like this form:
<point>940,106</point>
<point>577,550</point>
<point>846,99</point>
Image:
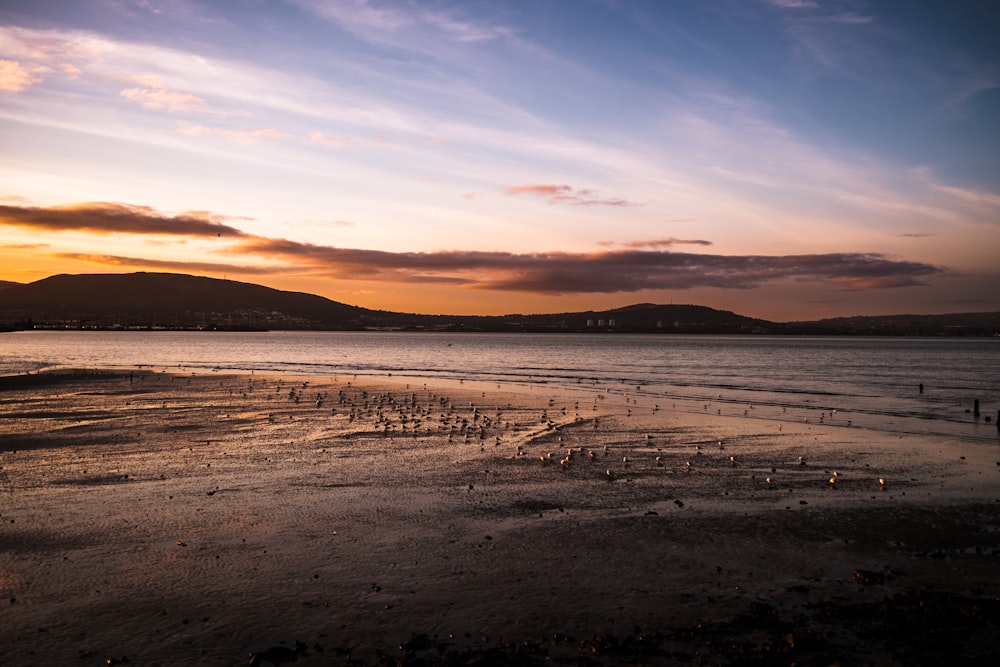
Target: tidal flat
<point>170,518</point>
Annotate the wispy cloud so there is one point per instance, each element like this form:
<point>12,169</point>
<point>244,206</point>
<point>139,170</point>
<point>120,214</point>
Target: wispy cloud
<point>979,198</point>
<point>656,243</point>
<point>330,141</point>
<point>403,25</point>
<point>161,98</point>
<point>564,194</point>
<point>793,4</point>
<point>337,142</point>
<point>177,265</point>
<point>246,137</point>
<point>25,246</point>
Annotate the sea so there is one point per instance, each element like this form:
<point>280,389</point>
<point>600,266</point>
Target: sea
<point>926,386</point>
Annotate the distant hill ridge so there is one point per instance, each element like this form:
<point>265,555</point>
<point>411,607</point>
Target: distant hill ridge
<point>169,300</point>
<point>166,297</point>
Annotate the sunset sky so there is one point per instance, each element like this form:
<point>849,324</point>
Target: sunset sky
<point>784,159</point>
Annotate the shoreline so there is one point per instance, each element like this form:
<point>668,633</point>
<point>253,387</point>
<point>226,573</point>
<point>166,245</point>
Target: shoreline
<point>203,518</point>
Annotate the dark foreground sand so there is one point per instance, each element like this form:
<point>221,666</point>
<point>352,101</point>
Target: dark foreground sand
<point>157,519</point>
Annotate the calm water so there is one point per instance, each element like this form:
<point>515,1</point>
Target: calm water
<point>869,382</point>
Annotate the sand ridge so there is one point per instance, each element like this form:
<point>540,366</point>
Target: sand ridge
<point>174,518</point>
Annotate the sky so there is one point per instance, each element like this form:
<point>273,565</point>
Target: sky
<point>783,159</point>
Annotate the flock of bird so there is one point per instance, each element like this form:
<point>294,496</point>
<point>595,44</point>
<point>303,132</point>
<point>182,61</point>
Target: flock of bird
<point>524,433</point>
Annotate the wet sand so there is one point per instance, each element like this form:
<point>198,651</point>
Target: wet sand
<point>169,519</point>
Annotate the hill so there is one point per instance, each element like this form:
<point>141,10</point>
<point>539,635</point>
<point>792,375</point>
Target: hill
<point>170,300</point>
<point>951,324</point>
<point>646,317</point>
<point>167,300</point>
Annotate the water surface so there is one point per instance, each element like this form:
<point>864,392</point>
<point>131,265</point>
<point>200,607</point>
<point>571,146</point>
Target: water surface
<point>871,382</point>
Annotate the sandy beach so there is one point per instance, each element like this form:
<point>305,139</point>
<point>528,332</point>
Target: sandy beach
<point>153,518</point>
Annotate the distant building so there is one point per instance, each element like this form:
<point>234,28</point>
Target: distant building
<point>590,323</point>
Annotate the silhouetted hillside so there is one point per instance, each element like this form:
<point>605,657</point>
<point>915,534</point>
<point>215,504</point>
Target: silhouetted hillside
<point>953,324</point>
<point>171,300</point>
<point>646,317</point>
<point>167,300</point>
<point>4,284</point>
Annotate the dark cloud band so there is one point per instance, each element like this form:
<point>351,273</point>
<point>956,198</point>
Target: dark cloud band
<point>634,268</point>
<point>111,218</point>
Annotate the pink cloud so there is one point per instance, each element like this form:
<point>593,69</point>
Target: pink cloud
<point>330,141</point>
<point>563,194</point>
<point>658,243</point>
<point>161,98</point>
<point>16,77</point>
<point>239,136</point>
